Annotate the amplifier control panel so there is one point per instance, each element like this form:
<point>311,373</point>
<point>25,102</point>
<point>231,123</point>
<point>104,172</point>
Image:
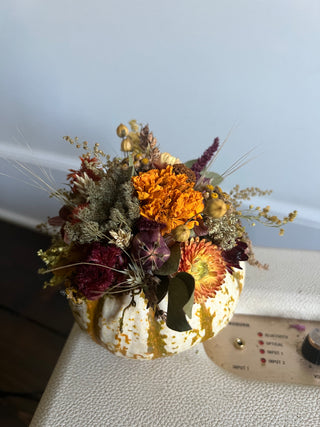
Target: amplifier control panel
<point>271,349</point>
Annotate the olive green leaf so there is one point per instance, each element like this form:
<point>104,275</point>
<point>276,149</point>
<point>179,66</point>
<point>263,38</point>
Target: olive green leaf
<point>190,283</point>
<point>162,288</point>
<point>214,177</point>
<point>180,301</point>
<point>189,163</point>
<point>172,264</point>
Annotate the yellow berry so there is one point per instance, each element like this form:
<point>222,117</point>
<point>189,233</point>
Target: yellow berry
<point>122,131</point>
<point>181,233</point>
<point>216,208</point>
<point>126,145</point>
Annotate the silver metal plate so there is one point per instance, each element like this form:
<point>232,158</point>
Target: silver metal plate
<point>265,348</point>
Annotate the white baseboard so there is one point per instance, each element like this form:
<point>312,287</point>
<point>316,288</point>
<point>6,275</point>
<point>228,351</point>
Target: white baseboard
<point>19,219</point>
<point>44,159</point>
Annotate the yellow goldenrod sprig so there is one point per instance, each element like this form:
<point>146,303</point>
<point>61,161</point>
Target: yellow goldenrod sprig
<point>248,193</point>
<point>256,214</point>
<point>96,151</point>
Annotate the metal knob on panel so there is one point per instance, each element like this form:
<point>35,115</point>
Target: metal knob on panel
<point>311,347</point>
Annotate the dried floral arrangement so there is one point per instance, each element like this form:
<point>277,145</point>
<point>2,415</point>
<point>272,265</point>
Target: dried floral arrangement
<point>146,222</point>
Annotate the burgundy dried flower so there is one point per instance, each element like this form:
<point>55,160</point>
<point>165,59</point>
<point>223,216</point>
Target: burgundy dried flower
<point>93,280</point>
<point>56,221</point>
<point>202,162</point>
<point>64,215</point>
<point>233,256</point>
<point>150,250</point>
<point>201,229</point>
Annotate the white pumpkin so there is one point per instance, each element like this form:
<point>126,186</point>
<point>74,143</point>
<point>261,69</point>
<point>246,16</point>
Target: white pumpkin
<point>144,336</point>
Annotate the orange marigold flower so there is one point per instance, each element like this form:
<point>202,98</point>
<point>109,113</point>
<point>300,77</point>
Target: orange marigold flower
<point>203,260</point>
<point>168,198</point>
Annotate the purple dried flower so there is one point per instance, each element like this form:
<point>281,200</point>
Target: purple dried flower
<point>145,224</point>
<point>202,161</point>
<point>149,249</point>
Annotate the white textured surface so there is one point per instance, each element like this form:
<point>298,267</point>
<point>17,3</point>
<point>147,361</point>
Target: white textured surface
<point>90,387</point>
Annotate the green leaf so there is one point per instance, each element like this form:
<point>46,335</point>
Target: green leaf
<point>214,177</point>
<point>180,301</point>
<point>172,264</point>
<point>189,281</point>
<point>162,288</point>
<point>189,163</point>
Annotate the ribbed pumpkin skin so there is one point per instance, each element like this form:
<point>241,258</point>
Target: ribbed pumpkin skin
<point>145,337</point>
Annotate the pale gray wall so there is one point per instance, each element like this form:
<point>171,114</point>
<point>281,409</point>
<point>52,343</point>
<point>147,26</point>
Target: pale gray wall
<point>192,69</point>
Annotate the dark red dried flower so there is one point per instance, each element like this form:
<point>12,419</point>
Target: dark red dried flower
<point>64,215</point>
<point>233,256</point>
<point>201,229</point>
<point>56,221</point>
<point>93,280</point>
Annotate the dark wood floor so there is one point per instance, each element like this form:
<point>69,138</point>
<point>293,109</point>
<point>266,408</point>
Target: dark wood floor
<point>35,324</point>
